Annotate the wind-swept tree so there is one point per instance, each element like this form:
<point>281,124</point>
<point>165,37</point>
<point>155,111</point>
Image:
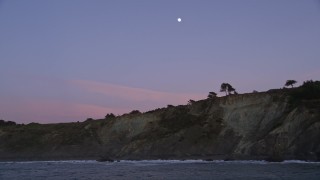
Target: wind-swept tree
<point>231,89</point>
<point>212,95</point>
<point>226,87</point>
<point>290,83</point>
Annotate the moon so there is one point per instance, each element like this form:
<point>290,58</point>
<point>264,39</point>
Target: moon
<point>179,19</point>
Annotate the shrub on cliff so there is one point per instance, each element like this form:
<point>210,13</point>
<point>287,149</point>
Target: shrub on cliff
<point>110,116</point>
<point>135,112</point>
<point>190,102</point>
<point>88,120</point>
<point>308,90</point>
<point>7,123</point>
<point>212,95</point>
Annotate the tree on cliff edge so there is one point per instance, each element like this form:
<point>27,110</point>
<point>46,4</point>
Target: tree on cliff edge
<point>231,89</point>
<point>290,83</point>
<point>226,87</point>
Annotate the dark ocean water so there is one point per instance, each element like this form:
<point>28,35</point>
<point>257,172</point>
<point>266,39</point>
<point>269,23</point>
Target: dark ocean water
<point>158,169</point>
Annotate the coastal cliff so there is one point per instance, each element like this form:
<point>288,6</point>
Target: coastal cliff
<point>274,125</point>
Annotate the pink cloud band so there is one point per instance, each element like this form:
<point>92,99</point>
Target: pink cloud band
<point>135,94</point>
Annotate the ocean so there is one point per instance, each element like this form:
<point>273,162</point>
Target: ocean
<point>159,169</point>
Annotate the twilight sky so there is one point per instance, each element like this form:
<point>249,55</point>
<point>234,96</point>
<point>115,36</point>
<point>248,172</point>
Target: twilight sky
<point>69,60</point>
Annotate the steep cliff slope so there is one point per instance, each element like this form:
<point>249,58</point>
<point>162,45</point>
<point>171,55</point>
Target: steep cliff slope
<point>270,125</point>
<point>252,126</point>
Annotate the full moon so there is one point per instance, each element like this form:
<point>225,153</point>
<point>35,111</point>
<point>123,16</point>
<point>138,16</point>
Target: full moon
<point>179,19</point>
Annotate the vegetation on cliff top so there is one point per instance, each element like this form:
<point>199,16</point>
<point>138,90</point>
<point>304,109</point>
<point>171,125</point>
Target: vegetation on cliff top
<point>307,91</point>
<point>6,123</point>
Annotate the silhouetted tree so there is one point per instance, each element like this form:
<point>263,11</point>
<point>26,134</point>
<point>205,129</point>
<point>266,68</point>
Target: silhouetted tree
<point>231,89</point>
<point>290,83</point>
<point>212,95</point>
<point>226,87</point>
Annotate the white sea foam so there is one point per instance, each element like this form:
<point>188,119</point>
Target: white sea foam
<point>63,161</point>
<point>160,161</point>
<point>299,162</point>
<point>214,161</point>
<point>163,161</point>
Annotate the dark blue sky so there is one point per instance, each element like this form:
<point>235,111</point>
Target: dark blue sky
<point>69,60</point>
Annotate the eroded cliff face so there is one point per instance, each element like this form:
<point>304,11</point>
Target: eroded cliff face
<point>252,126</point>
<point>248,126</point>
